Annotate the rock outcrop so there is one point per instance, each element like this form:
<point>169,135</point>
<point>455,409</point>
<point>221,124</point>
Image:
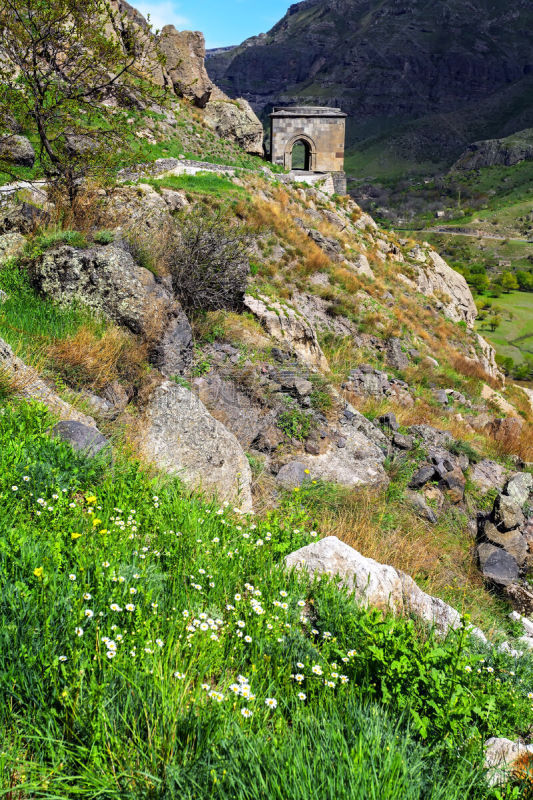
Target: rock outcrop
<point>290,328</point>
<point>235,120</point>
<point>438,280</point>
<point>498,152</point>
<point>184,53</point>
<point>178,435</point>
<point>108,280</point>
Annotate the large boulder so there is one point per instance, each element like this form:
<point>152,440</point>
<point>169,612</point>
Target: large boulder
<point>184,53</point>
<point>108,280</point>
<point>17,150</point>
<point>26,382</point>
<point>375,584</point>
<point>235,120</point>
<point>287,326</point>
<point>179,436</point>
<point>497,565</point>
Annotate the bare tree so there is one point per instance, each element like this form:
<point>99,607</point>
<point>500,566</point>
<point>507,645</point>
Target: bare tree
<point>69,77</point>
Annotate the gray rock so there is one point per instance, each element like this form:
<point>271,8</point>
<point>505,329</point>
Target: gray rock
<point>173,353</point>
<point>420,505</point>
<point>455,483</point>
<point>431,437</point>
<point>488,475</point>
<point>403,442</point>
<point>17,150</point>
<point>108,280</point>
<point>511,541</point>
<point>441,396</point>
<point>395,355</point>
<point>293,475</point>
<point>497,565</point>
<point>81,437</point>
<point>287,326</point>
<point>422,476</point>
<point>500,758</point>
<point>507,513</point>
<point>358,463</point>
<point>520,487</point>
<point>179,436</point>
<point>22,218</point>
<point>236,121</point>
<point>11,244</point>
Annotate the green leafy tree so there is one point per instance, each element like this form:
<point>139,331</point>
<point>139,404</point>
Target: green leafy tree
<point>525,281</point>
<point>69,78</point>
<point>494,322</point>
<point>508,281</point>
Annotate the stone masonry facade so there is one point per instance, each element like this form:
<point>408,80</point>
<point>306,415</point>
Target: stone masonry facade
<point>322,130</point>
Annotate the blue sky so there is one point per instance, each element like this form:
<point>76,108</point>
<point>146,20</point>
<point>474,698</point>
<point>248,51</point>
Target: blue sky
<point>223,22</point>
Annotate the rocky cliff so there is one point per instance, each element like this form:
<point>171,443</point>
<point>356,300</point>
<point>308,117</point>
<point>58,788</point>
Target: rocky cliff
<point>498,152</point>
<point>397,68</point>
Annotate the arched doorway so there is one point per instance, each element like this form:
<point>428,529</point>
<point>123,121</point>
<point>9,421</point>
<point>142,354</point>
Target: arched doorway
<point>301,155</point>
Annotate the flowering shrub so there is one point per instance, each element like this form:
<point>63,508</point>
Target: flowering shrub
<point>152,646</point>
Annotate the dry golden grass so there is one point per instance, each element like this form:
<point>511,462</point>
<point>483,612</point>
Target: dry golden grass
<point>83,214</point>
<point>439,557</point>
<point>86,360</point>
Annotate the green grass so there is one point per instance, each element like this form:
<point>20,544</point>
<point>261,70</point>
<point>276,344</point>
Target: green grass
<point>29,322</point>
<point>202,183</point>
<point>514,335</point>
<point>130,608</point>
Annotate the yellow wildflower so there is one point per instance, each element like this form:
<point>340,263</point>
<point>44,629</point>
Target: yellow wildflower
<point>96,522</point>
<point>38,572</point>
<point>91,498</point>
<point>75,536</point>
<point>103,530</point>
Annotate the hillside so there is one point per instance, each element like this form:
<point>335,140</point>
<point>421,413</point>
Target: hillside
<point>266,497</point>
<point>419,82</point>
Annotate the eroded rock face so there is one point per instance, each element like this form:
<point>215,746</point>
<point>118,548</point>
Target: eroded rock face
<point>184,52</point>
<point>437,279</point>
<point>108,280</point>
<point>81,437</point>
<point>287,326</point>
<point>28,384</point>
<point>180,437</point>
<point>235,120</point>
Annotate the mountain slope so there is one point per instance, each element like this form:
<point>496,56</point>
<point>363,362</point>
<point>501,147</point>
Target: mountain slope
<point>420,81</point>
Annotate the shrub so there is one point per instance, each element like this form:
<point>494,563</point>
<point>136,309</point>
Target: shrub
<point>104,237</point>
<point>209,262</point>
<point>295,423</point>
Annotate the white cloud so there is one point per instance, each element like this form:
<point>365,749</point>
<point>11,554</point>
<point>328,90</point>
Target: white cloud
<point>162,12</point>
